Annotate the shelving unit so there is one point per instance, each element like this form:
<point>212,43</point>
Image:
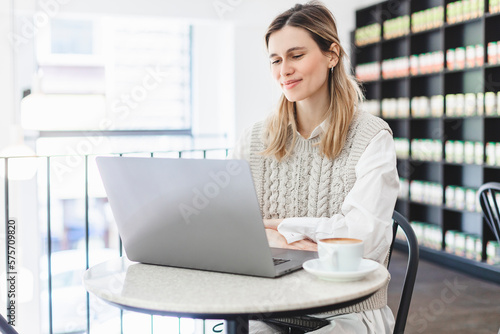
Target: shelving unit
<point>478,128</point>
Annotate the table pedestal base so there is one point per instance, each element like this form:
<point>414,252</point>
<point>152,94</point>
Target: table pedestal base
<point>237,326</point>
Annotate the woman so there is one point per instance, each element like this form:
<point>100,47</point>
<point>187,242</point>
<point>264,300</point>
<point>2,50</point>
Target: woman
<point>321,167</point>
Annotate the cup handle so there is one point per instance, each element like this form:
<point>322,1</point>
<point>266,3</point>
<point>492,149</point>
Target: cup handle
<point>332,254</point>
<point>335,258</point>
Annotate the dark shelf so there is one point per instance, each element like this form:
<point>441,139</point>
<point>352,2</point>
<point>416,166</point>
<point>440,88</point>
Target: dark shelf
<point>397,119</point>
<point>424,75</point>
<point>471,267</point>
<point>424,161</point>
<point>466,69</point>
<point>453,118</point>
<point>414,34</point>
<point>394,79</point>
<point>426,204</point>
<point>371,81</point>
<point>490,15</point>
<point>460,211</point>
<point>366,45</point>
<point>451,25</point>
<point>428,118</point>
<point>395,39</point>
<point>447,71</point>
<point>463,164</point>
<point>491,167</point>
<point>477,128</point>
<point>491,65</point>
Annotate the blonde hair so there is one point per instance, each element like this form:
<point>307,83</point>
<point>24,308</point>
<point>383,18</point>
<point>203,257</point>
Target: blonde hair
<point>345,93</point>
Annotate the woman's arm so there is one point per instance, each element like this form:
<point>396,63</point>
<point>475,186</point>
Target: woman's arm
<point>275,239</point>
<point>272,223</point>
<point>367,209</point>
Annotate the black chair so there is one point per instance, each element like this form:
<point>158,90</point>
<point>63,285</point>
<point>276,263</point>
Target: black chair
<point>487,194</point>
<point>411,269</point>
<point>5,327</point>
<point>307,324</point>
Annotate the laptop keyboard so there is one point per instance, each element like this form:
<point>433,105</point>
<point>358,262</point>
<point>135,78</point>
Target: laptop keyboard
<point>278,261</point>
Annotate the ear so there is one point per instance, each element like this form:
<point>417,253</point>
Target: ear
<point>335,49</point>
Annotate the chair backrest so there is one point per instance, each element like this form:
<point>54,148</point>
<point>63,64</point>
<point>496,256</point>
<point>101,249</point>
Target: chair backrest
<point>487,194</point>
<point>5,327</point>
<point>411,269</point>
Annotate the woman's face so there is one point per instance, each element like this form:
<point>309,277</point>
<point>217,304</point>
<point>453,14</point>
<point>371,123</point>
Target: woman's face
<point>298,65</point>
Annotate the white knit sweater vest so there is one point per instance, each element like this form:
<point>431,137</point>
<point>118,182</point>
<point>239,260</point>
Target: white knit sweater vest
<point>307,184</point>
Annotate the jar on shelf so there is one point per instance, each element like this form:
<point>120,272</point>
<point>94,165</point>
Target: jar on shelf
<point>492,52</point>
<point>493,252</point>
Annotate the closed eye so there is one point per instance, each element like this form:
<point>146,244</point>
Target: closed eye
<point>274,62</point>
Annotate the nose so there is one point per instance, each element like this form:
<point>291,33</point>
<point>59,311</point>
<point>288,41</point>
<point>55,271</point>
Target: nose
<point>286,69</point>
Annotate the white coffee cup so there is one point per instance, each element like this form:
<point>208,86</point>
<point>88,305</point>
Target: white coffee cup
<point>340,254</point>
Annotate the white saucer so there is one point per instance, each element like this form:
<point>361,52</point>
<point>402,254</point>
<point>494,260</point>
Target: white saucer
<point>315,267</point>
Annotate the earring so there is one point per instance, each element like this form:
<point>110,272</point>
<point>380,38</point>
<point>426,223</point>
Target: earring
<point>331,69</point>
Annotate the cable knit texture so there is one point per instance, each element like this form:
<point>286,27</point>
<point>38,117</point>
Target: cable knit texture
<point>307,184</point>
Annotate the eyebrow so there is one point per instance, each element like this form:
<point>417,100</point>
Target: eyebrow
<point>295,48</point>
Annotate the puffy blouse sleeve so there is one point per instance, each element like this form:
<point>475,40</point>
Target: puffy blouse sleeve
<point>366,213</point>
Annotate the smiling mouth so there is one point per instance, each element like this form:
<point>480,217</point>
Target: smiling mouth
<point>291,83</point>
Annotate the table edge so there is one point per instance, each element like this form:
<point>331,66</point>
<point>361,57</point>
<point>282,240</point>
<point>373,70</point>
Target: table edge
<point>250,316</point>
<point>225,314</point>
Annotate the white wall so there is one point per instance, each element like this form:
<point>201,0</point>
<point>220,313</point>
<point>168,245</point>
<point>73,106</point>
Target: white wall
<point>256,93</point>
<point>7,77</point>
<point>213,82</point>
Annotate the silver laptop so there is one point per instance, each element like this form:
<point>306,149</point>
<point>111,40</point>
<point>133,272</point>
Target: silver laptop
<point>193,213</point>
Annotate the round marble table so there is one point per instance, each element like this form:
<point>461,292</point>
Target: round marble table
<point>211,295</point>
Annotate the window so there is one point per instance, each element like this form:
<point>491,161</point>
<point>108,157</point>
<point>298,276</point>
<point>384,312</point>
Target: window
<point>71,37</point>
<point>149,68</point>
<point>112,74</point>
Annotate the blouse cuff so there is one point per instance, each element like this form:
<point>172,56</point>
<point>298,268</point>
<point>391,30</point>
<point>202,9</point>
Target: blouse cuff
<point>295,229</point>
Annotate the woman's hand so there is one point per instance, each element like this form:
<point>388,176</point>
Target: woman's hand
<point>272,223</point>
<point>276,240</point>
